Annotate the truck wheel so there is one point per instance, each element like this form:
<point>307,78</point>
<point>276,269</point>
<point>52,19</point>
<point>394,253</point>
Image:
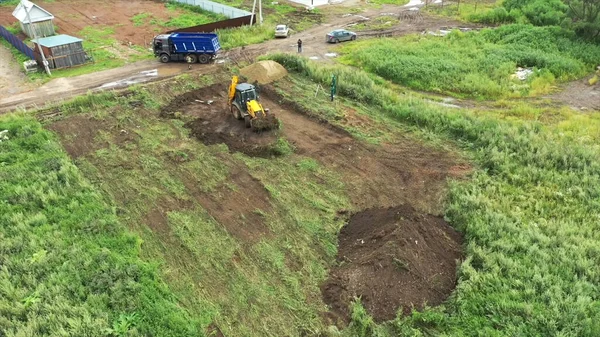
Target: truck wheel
<point>191,58</point>
<point>248,121</point>
<point>237,114</point>
<point>164,58</point>
<point>204,58</point>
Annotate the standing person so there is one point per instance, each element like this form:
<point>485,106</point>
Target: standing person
<point>299,45</point>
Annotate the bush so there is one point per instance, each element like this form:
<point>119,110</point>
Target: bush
<point>475,64</point>
<point>495,16</point>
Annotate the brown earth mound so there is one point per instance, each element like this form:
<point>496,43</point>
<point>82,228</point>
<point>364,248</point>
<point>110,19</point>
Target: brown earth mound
<point>208,117</point>
<point>393,258</point>
<point>264,72</point>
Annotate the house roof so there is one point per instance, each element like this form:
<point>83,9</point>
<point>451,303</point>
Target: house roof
<point>56,40</point>
<point>36,12</point>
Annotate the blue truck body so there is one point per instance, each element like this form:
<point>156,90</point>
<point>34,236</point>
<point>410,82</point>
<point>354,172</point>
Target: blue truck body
<point>191,47</point>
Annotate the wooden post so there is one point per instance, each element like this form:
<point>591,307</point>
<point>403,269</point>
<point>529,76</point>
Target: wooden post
<point>32,29</point>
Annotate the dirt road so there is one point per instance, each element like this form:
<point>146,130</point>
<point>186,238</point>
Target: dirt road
<point>12,79</point>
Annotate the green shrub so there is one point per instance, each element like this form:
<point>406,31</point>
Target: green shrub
<point>495,16</point>
<point>476,64</point>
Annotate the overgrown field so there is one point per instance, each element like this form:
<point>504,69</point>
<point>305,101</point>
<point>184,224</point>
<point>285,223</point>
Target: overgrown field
<point>257,274</point>
<point>478,64</point>
<point>529,217</point>
<point>67,265</point>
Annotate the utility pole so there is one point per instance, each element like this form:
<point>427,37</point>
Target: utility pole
<point>32,29</point>
<point>253,11</point>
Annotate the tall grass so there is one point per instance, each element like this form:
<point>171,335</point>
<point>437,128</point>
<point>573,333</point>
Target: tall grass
<point>67,266</point>
<point>529,215</point>
<point>478,64</point>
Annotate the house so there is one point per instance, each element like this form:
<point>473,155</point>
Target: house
<point>61,51</point>
<point>41,20</point>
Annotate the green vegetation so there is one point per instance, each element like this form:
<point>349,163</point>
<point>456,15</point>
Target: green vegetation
<point>528,213</point>
<point>478,64</point>
<point>8,3</point>
<point>181,16</point>
<point>378,23</point>
<point>390,2</point>
<point>580,16</point>
<point>466,10</point>
<point>68,266</point>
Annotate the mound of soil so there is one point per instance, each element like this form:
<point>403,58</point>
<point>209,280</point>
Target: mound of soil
<point>264,72</point>
<point>209,118</point>
<point>393,258</point>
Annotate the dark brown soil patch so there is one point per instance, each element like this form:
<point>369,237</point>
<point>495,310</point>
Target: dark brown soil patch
<point>207,116</point>
<point>393,259</point>
<point>77,134</point>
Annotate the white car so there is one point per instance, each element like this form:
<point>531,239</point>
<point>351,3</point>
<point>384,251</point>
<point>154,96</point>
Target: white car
<point>282,31</point>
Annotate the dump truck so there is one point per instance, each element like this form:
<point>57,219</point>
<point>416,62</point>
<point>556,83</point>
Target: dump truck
<point>189,47</point>
<point>244,104</point>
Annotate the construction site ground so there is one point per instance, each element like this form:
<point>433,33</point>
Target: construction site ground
<point>398,184</point>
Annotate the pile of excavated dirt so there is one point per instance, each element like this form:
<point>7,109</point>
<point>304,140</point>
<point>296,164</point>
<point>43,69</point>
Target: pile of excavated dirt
<point>264,72</point>
<point>392,258</point>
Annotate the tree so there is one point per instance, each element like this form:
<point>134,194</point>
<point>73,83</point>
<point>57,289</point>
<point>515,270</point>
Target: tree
<point>585,15</point>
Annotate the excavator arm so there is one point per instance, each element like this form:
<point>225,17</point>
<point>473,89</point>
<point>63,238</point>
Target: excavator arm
<point>234,82</point>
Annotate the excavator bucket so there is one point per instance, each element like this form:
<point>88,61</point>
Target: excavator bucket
<point>264,122</point>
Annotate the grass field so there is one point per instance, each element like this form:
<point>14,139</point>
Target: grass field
<point>528,215</point>
<point>68,265</point>
<point>478,64</point>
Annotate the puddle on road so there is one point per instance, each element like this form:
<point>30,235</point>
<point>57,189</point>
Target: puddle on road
<point>141,77</point>
<point>419,3</point>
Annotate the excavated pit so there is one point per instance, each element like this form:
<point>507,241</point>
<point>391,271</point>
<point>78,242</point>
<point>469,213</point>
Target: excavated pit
<point>209,119</point>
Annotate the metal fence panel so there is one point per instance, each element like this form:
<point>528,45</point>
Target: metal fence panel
<point>13,40</point>
<point>228,11</point>
<point>211,27</point>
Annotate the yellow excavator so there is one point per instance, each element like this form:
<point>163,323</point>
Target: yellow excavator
<point>243,104</point>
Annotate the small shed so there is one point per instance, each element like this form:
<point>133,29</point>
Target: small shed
<point>61,51</point>
<point>41,20</point>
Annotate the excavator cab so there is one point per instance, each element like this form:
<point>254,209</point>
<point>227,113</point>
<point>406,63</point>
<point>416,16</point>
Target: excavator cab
<point>244,104</point>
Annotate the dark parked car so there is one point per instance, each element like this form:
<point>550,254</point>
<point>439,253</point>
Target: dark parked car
<point>340,35</point>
